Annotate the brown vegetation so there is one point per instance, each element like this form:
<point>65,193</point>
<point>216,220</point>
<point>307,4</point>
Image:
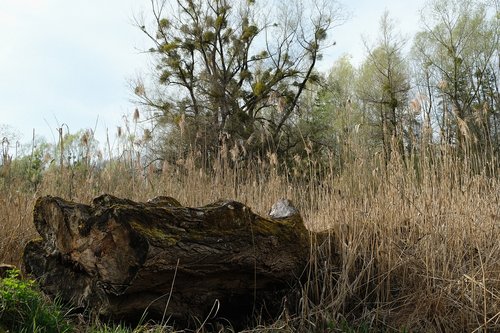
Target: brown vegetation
<point>418,245</point>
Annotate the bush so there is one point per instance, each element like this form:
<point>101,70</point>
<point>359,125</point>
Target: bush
<point>23,308</point>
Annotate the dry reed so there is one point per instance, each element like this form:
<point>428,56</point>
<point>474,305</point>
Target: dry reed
<point>410,248</point>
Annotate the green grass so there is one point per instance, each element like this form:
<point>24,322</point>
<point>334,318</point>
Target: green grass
<point>23,308</point>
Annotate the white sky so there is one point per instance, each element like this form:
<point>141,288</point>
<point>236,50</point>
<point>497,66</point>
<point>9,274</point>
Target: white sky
<point>68,62</point>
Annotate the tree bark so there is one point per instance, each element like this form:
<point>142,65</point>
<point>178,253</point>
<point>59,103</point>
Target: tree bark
<point>124,259</point>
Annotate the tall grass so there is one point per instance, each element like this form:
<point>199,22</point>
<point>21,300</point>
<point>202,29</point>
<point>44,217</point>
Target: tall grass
<point>412,243</point>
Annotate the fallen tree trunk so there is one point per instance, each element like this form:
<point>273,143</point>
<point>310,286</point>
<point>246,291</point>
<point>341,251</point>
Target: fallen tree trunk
<point>123,258</point>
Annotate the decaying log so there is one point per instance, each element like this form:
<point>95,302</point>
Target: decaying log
<point>122,258</point>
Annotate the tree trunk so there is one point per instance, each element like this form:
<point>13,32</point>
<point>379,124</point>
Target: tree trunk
<point>124,259</point>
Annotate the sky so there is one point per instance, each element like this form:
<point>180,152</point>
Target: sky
<point>69,63</point>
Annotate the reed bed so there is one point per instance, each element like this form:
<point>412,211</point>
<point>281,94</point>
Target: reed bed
<point>413,243</point>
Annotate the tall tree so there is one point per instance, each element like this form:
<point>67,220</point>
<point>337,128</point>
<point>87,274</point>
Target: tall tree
<point>383,88</point>
<point>232,72</point>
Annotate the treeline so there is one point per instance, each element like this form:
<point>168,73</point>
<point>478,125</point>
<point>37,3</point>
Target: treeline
<point>231,80</point>
<point>237,81</point>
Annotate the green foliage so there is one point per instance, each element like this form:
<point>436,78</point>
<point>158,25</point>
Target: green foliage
<point>77,148</point>
<point>30,168</point>
<point>220,21</point>
<point>331,120</point>
<point>258,88</point>
<point>23,308</point>
<point>168,47</point>
<point>164,23</point>
<point>165,76</point>
<point>249,32</point>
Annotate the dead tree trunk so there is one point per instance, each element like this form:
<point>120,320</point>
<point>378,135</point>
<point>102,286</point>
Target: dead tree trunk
<point>123,258</point>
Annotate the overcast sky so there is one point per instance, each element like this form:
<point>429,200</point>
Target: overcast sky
<point>69,62</point>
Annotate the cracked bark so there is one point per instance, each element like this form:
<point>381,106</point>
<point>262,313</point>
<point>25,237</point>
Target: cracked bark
<point>122,258</point>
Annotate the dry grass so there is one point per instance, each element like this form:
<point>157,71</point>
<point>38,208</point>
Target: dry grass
<point>410,248</point>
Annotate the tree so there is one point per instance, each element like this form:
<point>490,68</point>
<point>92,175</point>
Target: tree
<point>458,50</point>
<point>330,114</point>
<point>383,88</point>
<point>76,149</point>
<point>232,72</point>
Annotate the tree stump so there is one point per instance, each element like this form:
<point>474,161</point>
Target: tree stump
<point>123,258</point>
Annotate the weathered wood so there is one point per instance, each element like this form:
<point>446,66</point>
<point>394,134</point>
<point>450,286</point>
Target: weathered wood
<point>123,258</point>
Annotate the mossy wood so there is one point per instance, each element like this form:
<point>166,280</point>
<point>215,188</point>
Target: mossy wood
<point>122,258</point>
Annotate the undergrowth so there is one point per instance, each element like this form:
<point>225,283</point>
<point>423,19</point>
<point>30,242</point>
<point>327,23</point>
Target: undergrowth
<point>24,308</point>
